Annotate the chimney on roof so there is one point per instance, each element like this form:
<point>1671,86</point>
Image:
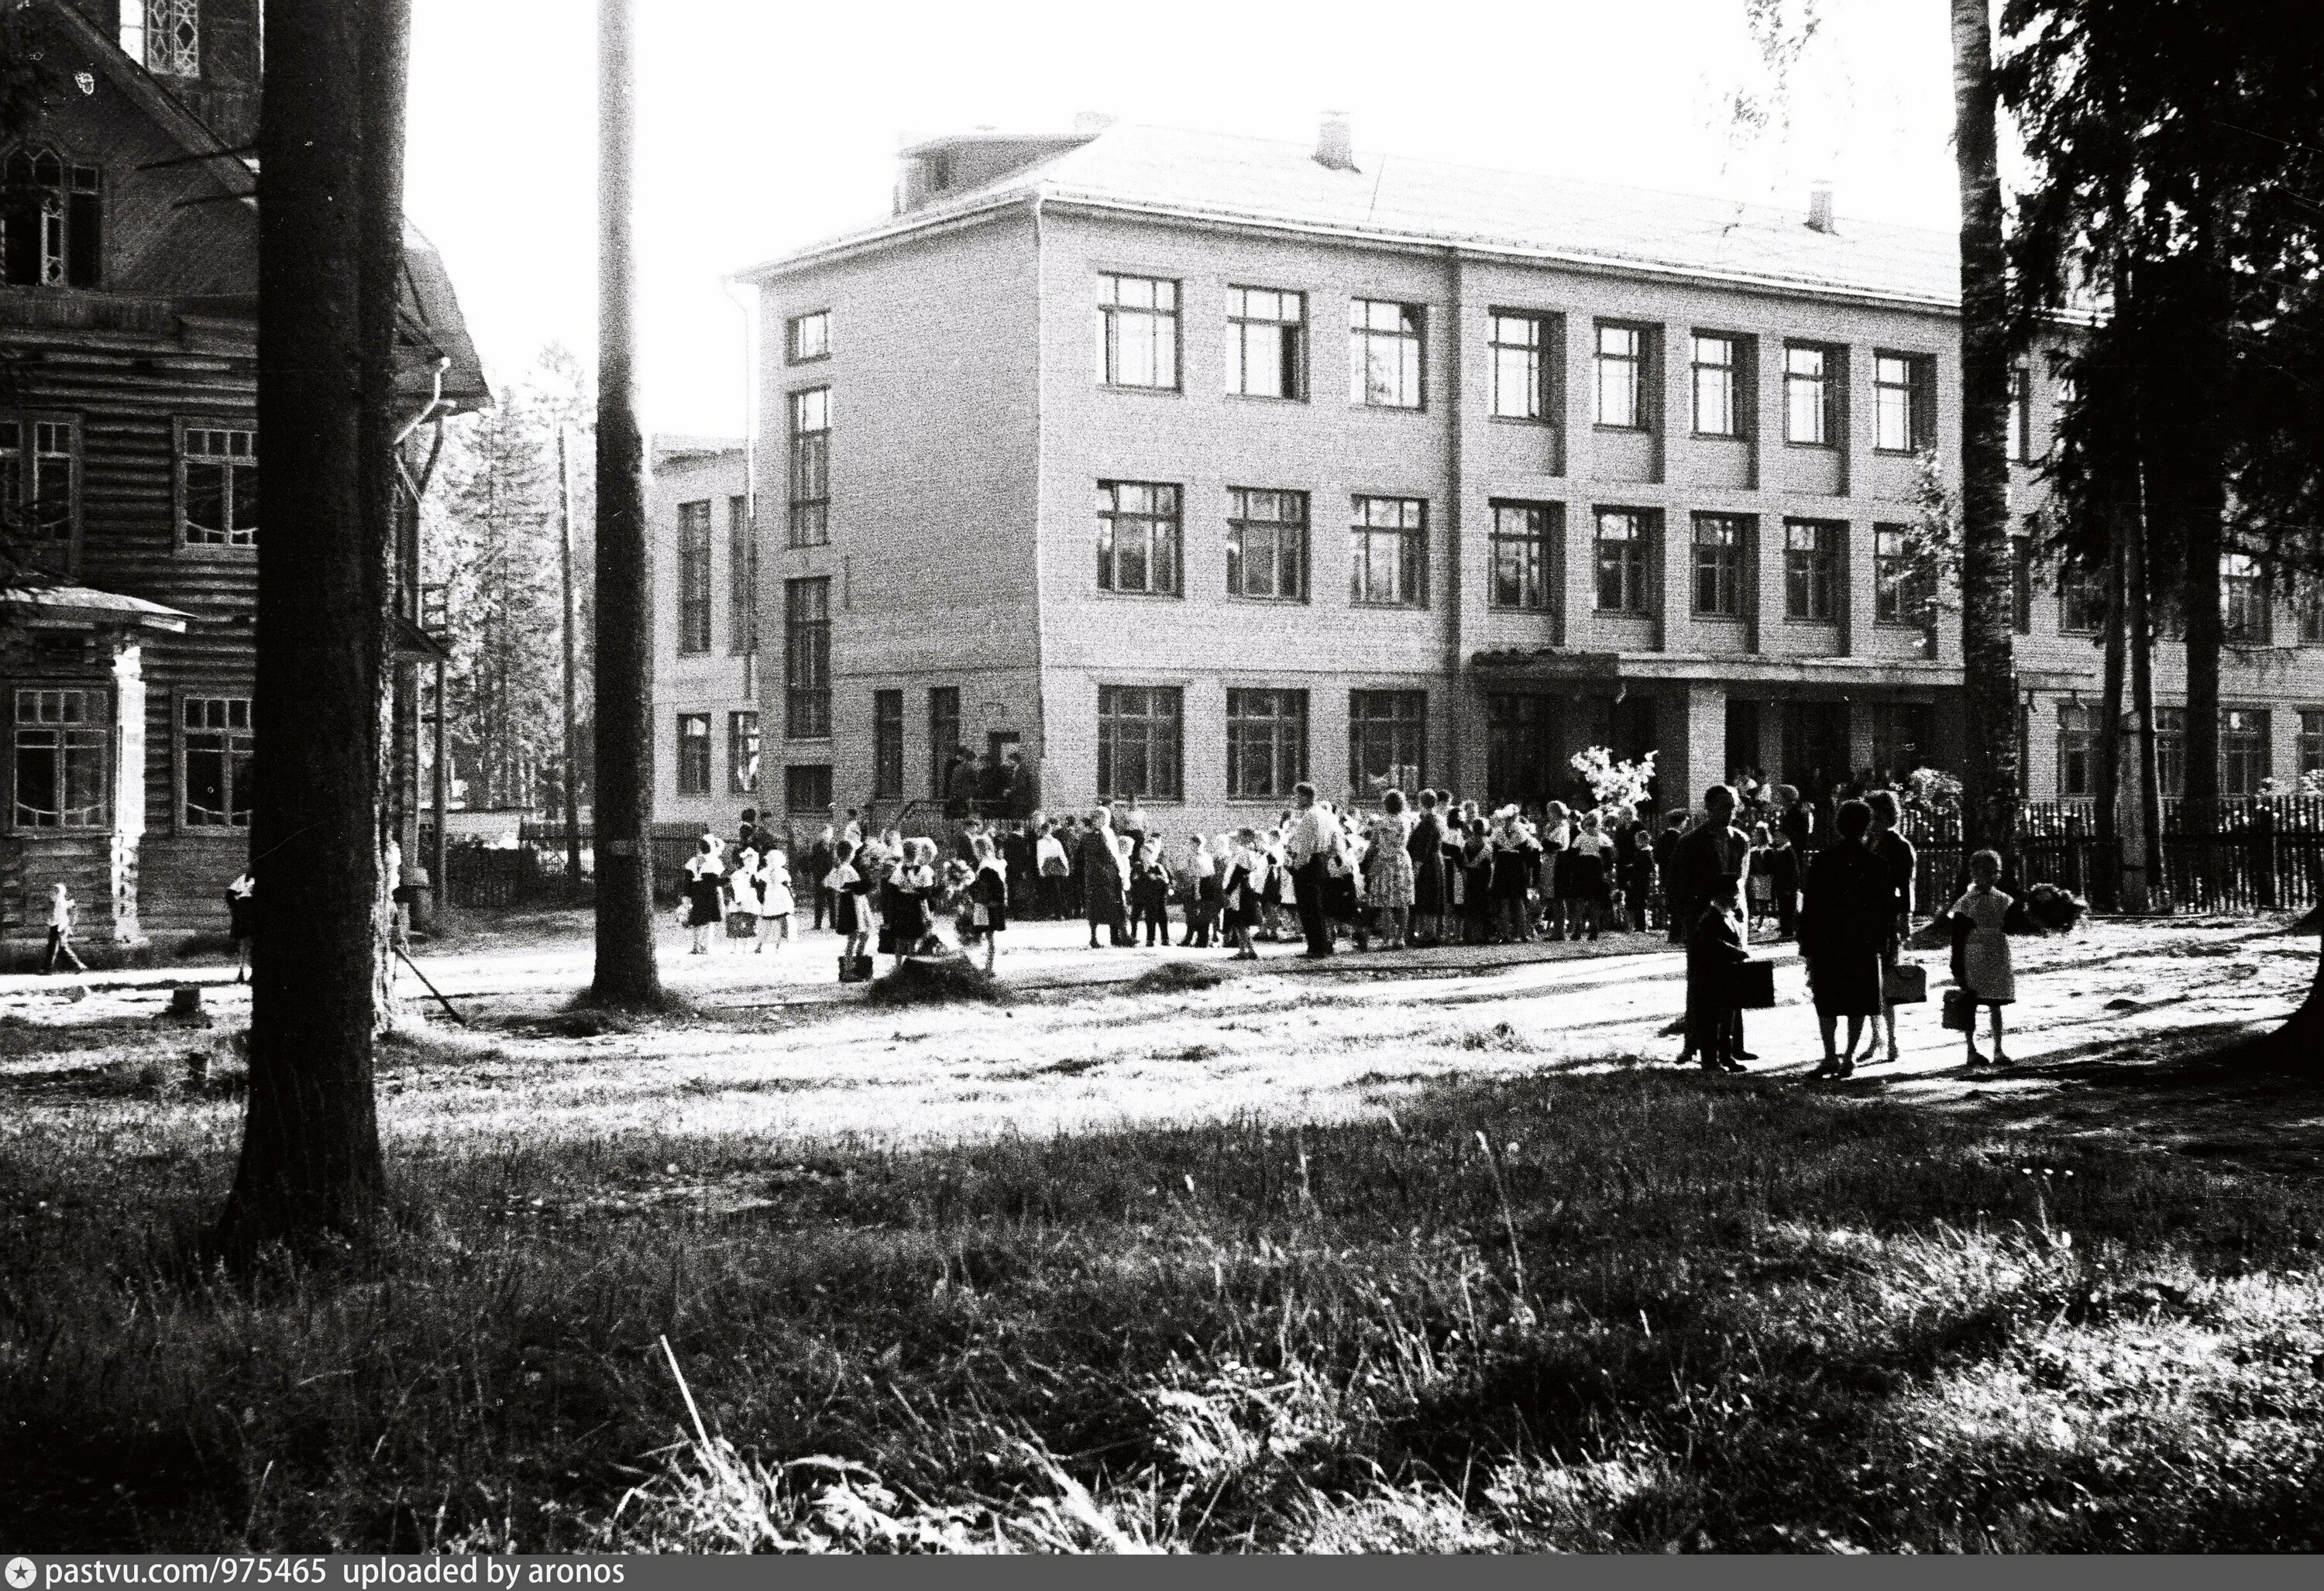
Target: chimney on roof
<point>1092,122</point>
<point>1336,144</point>
<point>1819,206</point>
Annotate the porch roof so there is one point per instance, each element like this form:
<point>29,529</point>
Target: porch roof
<point>71,606</point>
<point>1750,668</point>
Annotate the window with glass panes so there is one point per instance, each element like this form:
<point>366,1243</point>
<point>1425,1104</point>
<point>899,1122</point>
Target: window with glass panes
<point>1900,399</point>
<point>1899,737</point>
<point>1521,567</point>
<point>1900,589</point>
<point>742,753</point>
<point>1812,570</point>
<point>2021,414</point>
<point>1136,331</point>
<point>806,788</point>
<point>2021,584</point>
<point>694,577</point>
<point>39,505</point>
<point>1719,543</point>
<point>62,743</point>
<point>742,578</point>
<point>1138,539</point>
<point>1520,749</point>
<point>810,336</point>
<point>1139,731</point>
<point>1387,552</point>
<point>1267,544</point>
<point>1388,739</point>
<point>216,761</point>
<point>2311,741</point>
<point>944,733</point>
<point>1622,376</point>
<point>693,766</point>
<point>2170,750</point>
<point>1521,349</point>
<point>1625,560</point>
<point>1267,743</point>
<point>2244,600</point>
<point>1267,343</point>
<point>1384,354</point>
<point>806,658</point>
<point>1809,394</point>
<point>2245,754</point>
<point>811,467</point>
<point>887,744</point>
<point>218,485</point>
<point>2311,619</point>
<point>2077,751</point>
<point>1717,367</point>
<point>52,220</point>
<point>2081,600</point>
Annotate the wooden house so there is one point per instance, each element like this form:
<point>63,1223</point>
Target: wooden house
<point>130,510</point>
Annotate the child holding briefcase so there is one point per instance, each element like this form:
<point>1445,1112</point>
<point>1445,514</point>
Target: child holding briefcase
<point>1721,980</point>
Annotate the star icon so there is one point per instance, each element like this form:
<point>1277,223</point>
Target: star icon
<point>22,1573</point>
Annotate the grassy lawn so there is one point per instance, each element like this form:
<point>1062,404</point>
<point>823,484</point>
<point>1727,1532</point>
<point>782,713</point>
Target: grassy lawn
<point>1622,1309</point>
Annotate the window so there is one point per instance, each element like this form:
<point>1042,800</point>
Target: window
<point>1522,355</point>
<point>1717,361</point>
<point>809,337</point>
<point>1625,569</point>
<point>1811,394</point>
<point>216,761</point>
<point>2078,751</point>
<point>806,787</point>
<point>693,754</point>
<point>217,486</point>
<point>1267,343</point>
<point>742,579</point>
<point>1520,749</point>
<point>63,742</point>
<point>1137,741</point>
<point>1812,571</point>
<point>1719,543</point>
<point>1384,369</point>
<point>2244,600</point>
<point>2081,600</point>
<point>1899,737</point>
<point>2311,742</point>
<point>1137,332</point>
<point>1387,552</point>
<point>2244,752</point>
<point>1267,545</point>
<point>52,220</point>
<point>1387,738</point>
<point>2021,414</point>
<point>39,501</point>
<point>811,467</point>
<point>944,734</point>
<point>806,658</point>
<point>742,753</point>
<point>694,577</point>
<point>1267,743</point>
<point>2311,619</point>
<point>887,745</point>
<point>1902,416</point>
<point>1622,376</point>
<point>1137,538</point>
<point>2170,750</point>
<point>163,36</point>
<point>1900,591</point>
<point>1520,554</point>
<point>2021,584</point>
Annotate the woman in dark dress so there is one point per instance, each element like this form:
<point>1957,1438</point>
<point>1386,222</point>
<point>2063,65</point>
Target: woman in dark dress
<point>1426,848</point>
<point>1477,885</point>
<point>1104,889</point>
<point>1846,914</point>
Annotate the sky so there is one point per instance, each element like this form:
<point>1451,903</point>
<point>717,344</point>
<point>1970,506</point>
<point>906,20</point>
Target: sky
<point>763,125</point>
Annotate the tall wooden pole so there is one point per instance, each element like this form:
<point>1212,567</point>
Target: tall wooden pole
<point>627,974</point>
<point>572,631</point>
<point>329,253</point>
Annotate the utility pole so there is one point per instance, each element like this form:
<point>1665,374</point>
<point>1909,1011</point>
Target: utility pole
<point>572,629</point>
<point>627,974</point>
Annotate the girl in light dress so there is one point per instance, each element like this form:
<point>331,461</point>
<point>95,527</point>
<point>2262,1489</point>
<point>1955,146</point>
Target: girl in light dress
<point>986,914</point>
<point>1244,869</point>
<point>1760,892</point>
<point>848,888</point>
<point>1982,966</point>
<point>1586,865</point>
<point>776,900</point>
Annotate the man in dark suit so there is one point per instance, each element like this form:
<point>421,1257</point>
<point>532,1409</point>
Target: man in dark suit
<point>1712,854</point>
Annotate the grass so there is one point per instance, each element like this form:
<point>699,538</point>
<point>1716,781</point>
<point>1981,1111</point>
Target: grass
<point>917,981</point>
<point>1175,978</point>
<point>1629,1310</point>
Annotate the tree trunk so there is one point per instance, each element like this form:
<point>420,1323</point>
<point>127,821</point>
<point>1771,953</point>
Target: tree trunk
<point>572,770</point>
<point>627,974</point>
<point>1990,797</point>
<point>2108,791</point>
<point>331,147</point>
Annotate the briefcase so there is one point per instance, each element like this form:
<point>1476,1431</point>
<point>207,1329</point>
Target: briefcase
<point>742,925</point>
<point>1905,984</point>
<point>1960,1011</point>
<point>855,969</point>
<point>1751,985</point>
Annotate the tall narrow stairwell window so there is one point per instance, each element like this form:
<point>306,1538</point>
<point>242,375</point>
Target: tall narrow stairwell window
<point>163,36</point>
<point>52,220</point>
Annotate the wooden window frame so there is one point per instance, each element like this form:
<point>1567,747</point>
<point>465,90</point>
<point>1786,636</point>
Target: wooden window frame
<point>108,739</point>
<point>210,551</point>
<point>791,355</point>
<point>1239,324</point>
<point>677,762</point>
<point>1109,340</point>
<point>808,464</point>
<point>1646,524</point>
<point>1110,787</point>
<point>683,635</point>
<point>1159,524</point>
<point>1737,372</point>
<point>1833,419</point>
<point>740,735</point>
<point>1641,365</point>
<point>1285,731</point>
<point>1918,388</point>
<point>886,737</point>
<point>1731,566</point>
<point>1824,571</point>
<point>1240,525</point>
<point>1361,339</point>
<point>1540,539</point>
<point>1411,551</point>
<point>29,422</point>
<point>1543,351</point>
<point>180,758</point>
<point>806,658</point>
<point>1359,723</point>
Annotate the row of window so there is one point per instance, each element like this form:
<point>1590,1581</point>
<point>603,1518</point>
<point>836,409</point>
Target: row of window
<point>2246,603</point>
<point>61,746</point>
<point>216,483</point>
<point>695,586</point>
<point>2246,749</point>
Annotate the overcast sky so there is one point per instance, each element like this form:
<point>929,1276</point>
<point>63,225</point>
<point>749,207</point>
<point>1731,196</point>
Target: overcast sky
<point>765,126</point>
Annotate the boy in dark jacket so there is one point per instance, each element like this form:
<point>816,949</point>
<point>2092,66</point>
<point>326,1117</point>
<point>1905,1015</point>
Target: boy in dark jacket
<point>1713,947</point>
